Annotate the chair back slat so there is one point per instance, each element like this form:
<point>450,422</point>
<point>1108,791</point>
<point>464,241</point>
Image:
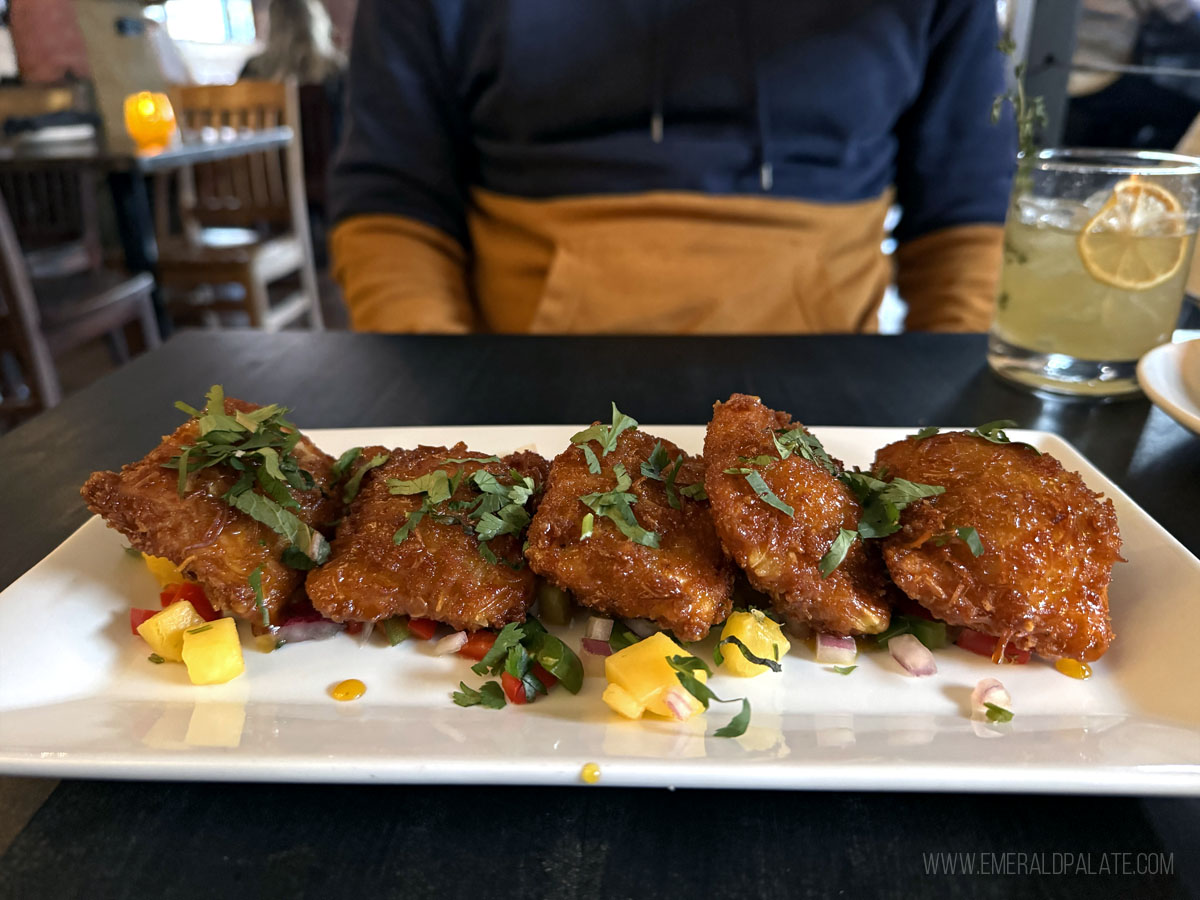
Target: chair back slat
<point>246,191</point>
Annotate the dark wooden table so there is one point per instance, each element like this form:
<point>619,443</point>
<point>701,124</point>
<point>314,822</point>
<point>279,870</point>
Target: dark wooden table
<point>139,840</point>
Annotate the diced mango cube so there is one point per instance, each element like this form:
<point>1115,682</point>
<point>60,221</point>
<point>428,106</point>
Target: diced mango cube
<point>762,636</point>
<point>621,701</point>
<point>212,652</point>
<point>164,630</point>
<point>163,569</point>
<point>642,671</point>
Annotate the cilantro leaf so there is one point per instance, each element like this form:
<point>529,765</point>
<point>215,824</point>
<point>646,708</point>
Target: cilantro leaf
<point>605,435</point>
<point>998,713</point>
<point>493,661</point>
<point>342,466</point>
<point>837,552</point>
<point>621,637</point>
<point>927,432</point>
<point>994,432</point>
<point>694,491</point>
<point>305,539</point>
<point>474,459</point>
<point>971,538</point>
<point>489,695</point>
<point>259,601</point>
<point>765,494</point>
<point>156,659</point>
<point>617,506</point>
<point>809,446</point>
<point>585,527</point>
<point>772,664</point>
<point>355,482</point>
<point>930,633</point>
<point>844,670</point>
<point>593,463</point>
<point>738,724</point>
<point>684,667</point>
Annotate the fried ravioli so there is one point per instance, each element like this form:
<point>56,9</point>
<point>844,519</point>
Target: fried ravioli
<point>684,584</point>
<point>780,554</point>
<point>438,570</point>
<point>1049,544</point>
<point>209,540</point>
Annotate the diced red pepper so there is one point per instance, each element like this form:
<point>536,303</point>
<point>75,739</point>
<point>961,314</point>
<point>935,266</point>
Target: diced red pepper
<point>477,645</point>
<point>193,594</point>
<point>422,628</point>
<point>985,645</point>
<point>514,688</point>
<point>137,617</point>
<point>544,677</point>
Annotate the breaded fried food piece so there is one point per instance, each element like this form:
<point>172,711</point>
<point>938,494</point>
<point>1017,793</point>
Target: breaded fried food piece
<point>780,554</point>
<point>684,584</point>
<point>1049,544</point>
<point>209,540</point>
<point>438,571</point>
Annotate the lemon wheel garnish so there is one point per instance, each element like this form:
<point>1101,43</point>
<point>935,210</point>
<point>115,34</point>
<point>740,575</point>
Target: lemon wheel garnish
<point>1137,240</point>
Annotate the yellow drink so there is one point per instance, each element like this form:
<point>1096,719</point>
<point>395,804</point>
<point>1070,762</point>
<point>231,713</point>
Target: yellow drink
<point>1049,303</point>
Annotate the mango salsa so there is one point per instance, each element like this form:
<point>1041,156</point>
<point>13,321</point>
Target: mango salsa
<point>163,569</point>
<point>762,636</point>
<point>164,630</point>
<point>640,675</point>
<point>212,652</point>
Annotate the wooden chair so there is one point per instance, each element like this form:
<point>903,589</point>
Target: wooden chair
<point>242,221</point>
<point>42,319</point>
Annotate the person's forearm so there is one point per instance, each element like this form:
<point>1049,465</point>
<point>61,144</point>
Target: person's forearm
<point>400,275</point>
<point>948,278</point>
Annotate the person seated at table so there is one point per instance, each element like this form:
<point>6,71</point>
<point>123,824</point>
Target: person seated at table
<point>689,166</point>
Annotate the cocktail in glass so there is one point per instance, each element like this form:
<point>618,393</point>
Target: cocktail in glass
<point>1097,248</point>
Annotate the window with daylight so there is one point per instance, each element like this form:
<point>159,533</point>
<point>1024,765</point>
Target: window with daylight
<point>207,21</point>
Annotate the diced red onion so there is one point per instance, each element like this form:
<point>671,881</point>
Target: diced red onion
<point>643,628</point>
<point>364,636</point>
<point>989,690</point>
<point>452,643</point>
<point>296,632</point>
<point>835,650</point>
<point>597,647</point>
<point>599,629</point>
<point>913,656</point>
<point>679,702</point>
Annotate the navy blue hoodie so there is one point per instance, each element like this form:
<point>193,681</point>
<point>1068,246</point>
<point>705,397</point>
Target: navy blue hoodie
<point>821,101</point>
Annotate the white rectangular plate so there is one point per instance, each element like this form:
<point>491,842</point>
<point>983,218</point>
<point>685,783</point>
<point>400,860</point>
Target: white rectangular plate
<point>79,698</point>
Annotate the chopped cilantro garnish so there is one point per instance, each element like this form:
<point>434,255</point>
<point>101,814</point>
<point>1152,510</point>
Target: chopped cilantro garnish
<point>200,629</point>
<point>994,432</point>
<point>341,468</point>
<point>490,695</point>
<point>797,440</point>
<point>685,667</point>
<point>355,482</point>
<point>519,645</point>
<point>617,506</point>
<point>604,435</point>
<point>259,601</point>
<point>259,446</point>
<point>496,507</point>
<point>967,535</point>
<point>844,670</point>
<point>156,659</point>
<point>621,637</point>
<point>837,552</point>
<point>998,713</point>
<point>882,501</point>
<point>772,664</point>
<point>927,432</point>
<point>930,633</point>
<point>660,468</point>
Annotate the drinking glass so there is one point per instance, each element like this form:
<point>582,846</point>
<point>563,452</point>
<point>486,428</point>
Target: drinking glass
<point>1097,248</point>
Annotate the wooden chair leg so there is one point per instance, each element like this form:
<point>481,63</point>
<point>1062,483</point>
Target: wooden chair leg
<point>118,347</point>
<point>308,283</point>
<point>257,299</point>
<point>151,337</point>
